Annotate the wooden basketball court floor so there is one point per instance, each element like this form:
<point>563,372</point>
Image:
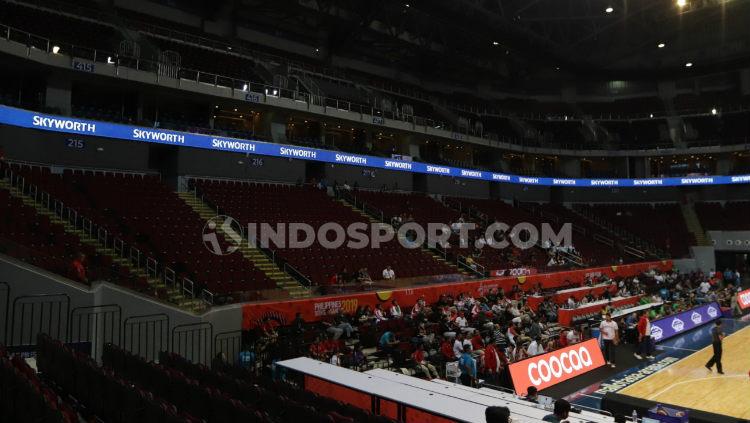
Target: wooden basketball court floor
<point>688,383</point>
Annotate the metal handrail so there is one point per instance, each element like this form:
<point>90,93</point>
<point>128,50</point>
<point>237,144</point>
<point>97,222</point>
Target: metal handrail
<point>92,230</point>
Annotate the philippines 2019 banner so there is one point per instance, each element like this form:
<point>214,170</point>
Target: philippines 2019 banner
<point>670,326</point>
<point>313,309</point>
<point>28,119</point>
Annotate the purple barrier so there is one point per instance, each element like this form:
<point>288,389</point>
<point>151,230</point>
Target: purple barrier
<point>670,326</point>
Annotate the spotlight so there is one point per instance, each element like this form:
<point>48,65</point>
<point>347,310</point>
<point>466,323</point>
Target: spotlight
<point>689,64</point>
<point>609,9</point>
<point>681,3</point>
<point>714,111</point>
<point>55,49</point>
<point>661,45</point>
<point>495,43</point>
<point>244,87</point>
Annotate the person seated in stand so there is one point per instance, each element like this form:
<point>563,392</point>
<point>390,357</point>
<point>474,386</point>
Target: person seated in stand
<point>388,342</point>
<point>461,321</point>
<point>359,360</point>
<point>79,268</point>
<point>420,363</point>
<point>380,315</point>
<point>395,310</point>
<point>572,336</point>
<point>535,347</point>
<point>572,303</point>
<point>446,350</point>
<point>363,277</point>
<point>389,274</point>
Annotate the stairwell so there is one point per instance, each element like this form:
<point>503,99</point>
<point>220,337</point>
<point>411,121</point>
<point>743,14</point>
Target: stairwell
<point>253,254</point>
<point>435,254</point>
<point>627,238</point>
<point>173,294</point>
<point>694,226</point>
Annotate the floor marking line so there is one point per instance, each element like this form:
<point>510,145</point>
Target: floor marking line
<point>683,358</point>
<point>676,348</point>
<point>692,381</point>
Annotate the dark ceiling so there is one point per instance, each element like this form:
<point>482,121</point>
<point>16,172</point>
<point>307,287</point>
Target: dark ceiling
<point>507,41</point>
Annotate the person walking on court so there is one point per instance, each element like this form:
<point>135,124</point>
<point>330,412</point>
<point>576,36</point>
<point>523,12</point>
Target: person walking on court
<point>645,348</point>
<point>610,338</point>
<point>717,335</point>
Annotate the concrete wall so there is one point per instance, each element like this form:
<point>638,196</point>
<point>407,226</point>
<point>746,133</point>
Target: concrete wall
<point>26,280</point>
<point>49,147</point>
<point>363,177</point>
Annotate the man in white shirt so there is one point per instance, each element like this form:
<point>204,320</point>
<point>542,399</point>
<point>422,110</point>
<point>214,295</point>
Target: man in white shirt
<point>461,320</point>
<point>571,303</point>
<point>572,337</point>
<point>396,310</point>
<point>389,274</point>
<point>704,287</point>
<point>609,332</point>
<point>459,344</point>
<point>535,347</point>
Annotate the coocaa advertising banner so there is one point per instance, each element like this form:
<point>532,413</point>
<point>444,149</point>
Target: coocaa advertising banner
<point>44,122</point>
<point>670,326</point>
<point>543,371</point>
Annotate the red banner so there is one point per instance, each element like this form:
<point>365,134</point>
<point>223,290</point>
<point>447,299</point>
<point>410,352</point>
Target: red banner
<point>311,309</point>
<point>545,370</point>
<point>743,299</point>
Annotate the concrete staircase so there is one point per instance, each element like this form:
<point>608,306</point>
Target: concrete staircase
<point>254,255</point>
<point>174,295</point>
<point>693,224</point>
<point>434,254</point>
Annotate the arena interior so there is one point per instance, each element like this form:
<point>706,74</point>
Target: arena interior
<point>411,211</point>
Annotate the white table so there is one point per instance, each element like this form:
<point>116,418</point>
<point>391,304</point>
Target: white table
<point>635,309</point>
<point>442,405</point>
<point>520,409</point>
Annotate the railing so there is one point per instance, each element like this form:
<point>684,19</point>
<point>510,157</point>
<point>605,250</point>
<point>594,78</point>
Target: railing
<point>475,267</point>
<point>282,264</point>
<point>114,59</point>
<point>116,246</point>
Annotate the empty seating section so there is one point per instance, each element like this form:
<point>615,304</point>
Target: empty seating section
<point>276,203</point>
<point>24,397</point>
<point>143,212</point>
<point>499,211</point>
<point>62,30</point>
<point>594,253</point>
<point>420,208</point>
<point>32,238</point>
<point>227,64</point>
<point>731,216</point>
<point>102,393</point>
<point>632,107</point>
<point>662,224</point>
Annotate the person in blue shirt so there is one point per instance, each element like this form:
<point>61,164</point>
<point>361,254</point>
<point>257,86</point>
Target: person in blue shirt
<point>246,357</point>
<point>388,342</point>
<point>468,366</point>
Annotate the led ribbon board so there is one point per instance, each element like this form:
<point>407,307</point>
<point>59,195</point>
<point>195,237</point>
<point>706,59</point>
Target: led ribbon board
<point>28,119</point>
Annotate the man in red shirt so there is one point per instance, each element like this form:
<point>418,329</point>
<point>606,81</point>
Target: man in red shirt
<point>420,362</point>
<point>645,347</point>
<point>79,268</point>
